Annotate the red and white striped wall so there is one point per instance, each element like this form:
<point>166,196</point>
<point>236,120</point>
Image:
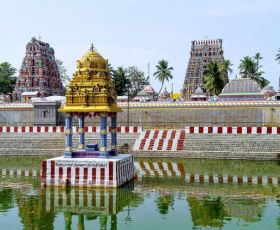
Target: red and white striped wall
<point>233,130</point>
<point>88,172</point>
<point>60,129</point>
<point>174,169</point>
<point>160,140</point>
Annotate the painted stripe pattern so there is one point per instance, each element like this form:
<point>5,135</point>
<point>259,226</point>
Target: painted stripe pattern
<point>174,169</point>
<point>19,172</point>
<point>160,140</point>
<point>60,129</point>
<point>162,169</point>
<point>104,201</point>
<point>173,140</point>
<point>233,130</point>
<point>104,173</point>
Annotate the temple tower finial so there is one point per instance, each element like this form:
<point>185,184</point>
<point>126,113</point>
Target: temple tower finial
<point>91,47</point>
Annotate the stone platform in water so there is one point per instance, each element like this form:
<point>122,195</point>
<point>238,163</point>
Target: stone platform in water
<point>88,172</point>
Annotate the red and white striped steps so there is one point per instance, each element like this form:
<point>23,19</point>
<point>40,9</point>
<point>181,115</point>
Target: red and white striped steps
<point>160,140</point>
<point>173,140</point>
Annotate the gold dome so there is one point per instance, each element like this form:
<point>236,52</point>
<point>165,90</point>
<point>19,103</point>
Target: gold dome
<point>93,61</point>
<point>91,88</point>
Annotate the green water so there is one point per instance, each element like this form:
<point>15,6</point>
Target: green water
<point>154,201</point>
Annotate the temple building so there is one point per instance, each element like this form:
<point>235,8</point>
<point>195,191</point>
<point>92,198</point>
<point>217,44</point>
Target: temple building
<point>39,72</point>
<point>90,93</point>
<point>242,89</point>
<point>146,94</point>
<point>268,92</point>
<point>198,95</point>
<point>202,53</point>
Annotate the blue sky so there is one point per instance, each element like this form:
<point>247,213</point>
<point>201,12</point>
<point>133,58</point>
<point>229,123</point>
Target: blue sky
<point>137,32</point>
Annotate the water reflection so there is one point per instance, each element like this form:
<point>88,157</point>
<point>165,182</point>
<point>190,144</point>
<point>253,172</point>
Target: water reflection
<point>208,211</point>
<point>31,212</point>
<point>156,200</point>
<point>164,203</point>
<point>6,199</point>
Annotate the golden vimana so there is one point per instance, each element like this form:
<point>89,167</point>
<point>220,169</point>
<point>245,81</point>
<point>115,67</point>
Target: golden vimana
<point>91,88</point>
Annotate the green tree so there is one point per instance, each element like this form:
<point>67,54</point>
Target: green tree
<point>250,68</point>
<point>214,80</point>
<point>137,80</point>
<point>225,68</point>
<point>62,72</point>
<point>121,81</point>
<point>278,56</point>
<point>110,69</point>
<point>257,59</point>
<point>163,73</point>
<point>7,78</point>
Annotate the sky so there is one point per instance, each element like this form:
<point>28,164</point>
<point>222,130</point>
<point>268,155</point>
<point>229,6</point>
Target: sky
<point>138,32</point>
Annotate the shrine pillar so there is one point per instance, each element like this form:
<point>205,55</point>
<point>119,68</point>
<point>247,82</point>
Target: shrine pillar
<point>68,133</point>
<point>103,132</point>
<point>81,131</point>
<point>114,132</point>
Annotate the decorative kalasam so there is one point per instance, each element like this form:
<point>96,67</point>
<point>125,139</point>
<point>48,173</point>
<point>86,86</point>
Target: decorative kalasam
<point>91,88</point>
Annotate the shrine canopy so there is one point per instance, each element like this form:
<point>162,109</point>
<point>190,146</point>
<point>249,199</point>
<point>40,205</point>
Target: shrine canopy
<point>91,89</point>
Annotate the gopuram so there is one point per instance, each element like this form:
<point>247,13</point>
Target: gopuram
<point>202,53</point>
<point>90,93</point>
<point>39,72</point>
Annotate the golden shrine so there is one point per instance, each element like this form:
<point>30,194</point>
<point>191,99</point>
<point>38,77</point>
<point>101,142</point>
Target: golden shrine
<point>90,92</point>
<point>91,88</point>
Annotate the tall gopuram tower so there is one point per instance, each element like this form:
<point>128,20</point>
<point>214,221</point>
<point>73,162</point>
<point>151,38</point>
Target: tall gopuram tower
<point>202,53</point>
<point>90,93</point>
<point>39,72</point>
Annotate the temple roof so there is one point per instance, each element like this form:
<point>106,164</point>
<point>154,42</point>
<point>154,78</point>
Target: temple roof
<point>91,88</point>
<point>241,86</point>
<point>268,90</point>
<point>149,89</point>
<point>199,91</point>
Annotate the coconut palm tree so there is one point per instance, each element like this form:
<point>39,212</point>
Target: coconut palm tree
<point>225,68</point>
<point>247,67</point>
<point>278,56</point>
<point>226,65</point>
<point>250,68</point>
<point>257,58</point>
<point>163,73</point>
<point>214,80</point>
<point>110,69</point>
